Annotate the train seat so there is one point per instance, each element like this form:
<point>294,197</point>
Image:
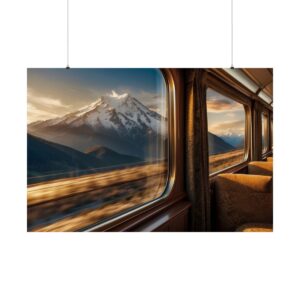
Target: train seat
<point>255,227</point>
<point>242,199</point>
<point>260,168</point>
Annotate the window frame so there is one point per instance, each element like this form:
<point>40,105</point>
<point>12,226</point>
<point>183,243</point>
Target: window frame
<point>229,91</point>
<point>123,221</point>
<point>173,194</point>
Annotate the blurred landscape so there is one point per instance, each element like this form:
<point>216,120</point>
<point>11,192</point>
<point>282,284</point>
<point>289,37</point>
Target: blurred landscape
<point>222,161</point>
<point>72,204</point>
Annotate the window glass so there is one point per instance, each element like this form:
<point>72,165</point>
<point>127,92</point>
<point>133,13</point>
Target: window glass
<point>226,131</point>
<point>97,144</point>
<point>264,133</point>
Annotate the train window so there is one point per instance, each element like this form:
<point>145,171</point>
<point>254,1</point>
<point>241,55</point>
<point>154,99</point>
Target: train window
<point>264,128</point>
<point>226,131</point>
<point>97,144</point>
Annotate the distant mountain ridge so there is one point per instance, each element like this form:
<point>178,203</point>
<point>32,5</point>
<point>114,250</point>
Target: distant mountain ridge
<point>44,157</point>
<point>105,155</point>
<point>119,122</point>
<point>236,141</point>
<point>217,145</point>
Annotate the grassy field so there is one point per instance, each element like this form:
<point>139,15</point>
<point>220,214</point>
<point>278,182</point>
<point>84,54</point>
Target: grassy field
<point>74,203</point>
<point>222,161</point>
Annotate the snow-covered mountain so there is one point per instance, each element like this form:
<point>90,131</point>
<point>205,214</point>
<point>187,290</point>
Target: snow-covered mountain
<point>119,122</point>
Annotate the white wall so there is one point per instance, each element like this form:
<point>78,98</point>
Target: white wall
<point>132,33</point>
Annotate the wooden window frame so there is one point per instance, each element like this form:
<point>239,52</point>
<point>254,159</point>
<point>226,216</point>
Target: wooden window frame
<point>174,195</point>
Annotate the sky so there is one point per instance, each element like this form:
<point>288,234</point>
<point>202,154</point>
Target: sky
<point>224,115</point>
<point>56,92</point>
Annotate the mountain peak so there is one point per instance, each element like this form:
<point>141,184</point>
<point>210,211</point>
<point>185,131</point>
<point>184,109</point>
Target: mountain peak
<point>114,94</point>
<point>112,117</point>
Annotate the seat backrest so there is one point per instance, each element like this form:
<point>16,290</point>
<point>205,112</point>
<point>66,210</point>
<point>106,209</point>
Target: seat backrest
<point>242,198</point>
<point>260,168</point>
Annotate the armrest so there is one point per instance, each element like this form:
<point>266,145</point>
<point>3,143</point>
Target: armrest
<point>260,168</point>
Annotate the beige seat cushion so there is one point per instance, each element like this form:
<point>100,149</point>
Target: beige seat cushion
<point>255,227</point>
<point>241,199</point>
<point>270,159</point>
<point>260,168</point>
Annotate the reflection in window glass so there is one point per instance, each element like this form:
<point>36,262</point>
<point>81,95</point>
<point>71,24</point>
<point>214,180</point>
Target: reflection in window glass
<point>97,144</point>
<point>264,128</point>
<point>226,131</point>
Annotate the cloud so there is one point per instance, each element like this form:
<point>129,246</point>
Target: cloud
<point>49,102</point>
<point>230,114</point>
<point>45,101</point>
<point>228,128</point>
<point>218,103</point>
<point>43,107</point>
<point>222,105</point>
<point>35,114</point>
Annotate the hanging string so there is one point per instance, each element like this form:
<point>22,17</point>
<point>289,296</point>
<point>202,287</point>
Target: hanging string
<point>68,34</point>
<point>232,67</point>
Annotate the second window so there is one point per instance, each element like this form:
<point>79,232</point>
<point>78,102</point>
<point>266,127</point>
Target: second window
<point>226,131</point>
